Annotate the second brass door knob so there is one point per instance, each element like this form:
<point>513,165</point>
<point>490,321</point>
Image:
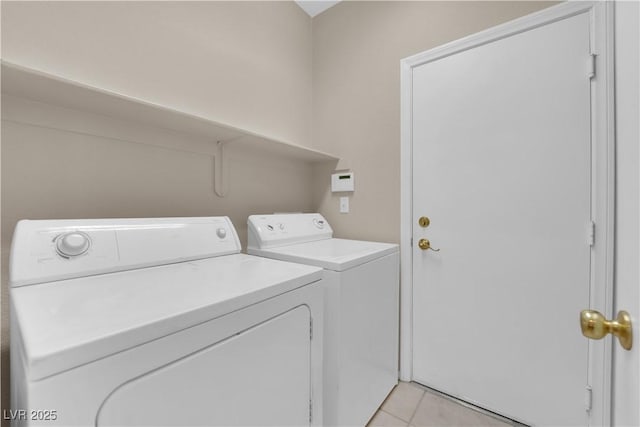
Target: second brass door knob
<point>595,326</point>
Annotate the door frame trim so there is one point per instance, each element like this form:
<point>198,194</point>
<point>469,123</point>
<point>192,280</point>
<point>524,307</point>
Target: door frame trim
<point>603,182</point>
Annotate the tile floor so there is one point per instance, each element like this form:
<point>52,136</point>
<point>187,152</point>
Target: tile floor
<point>412,405</point>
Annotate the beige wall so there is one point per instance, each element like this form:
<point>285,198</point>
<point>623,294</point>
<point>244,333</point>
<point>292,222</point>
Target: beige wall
<point>357,48</point>
<point>247,64</point>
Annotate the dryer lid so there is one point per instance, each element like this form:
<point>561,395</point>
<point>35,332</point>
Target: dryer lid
<point>67,323</point>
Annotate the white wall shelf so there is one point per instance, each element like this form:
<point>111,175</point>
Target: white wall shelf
<point>27,83</point>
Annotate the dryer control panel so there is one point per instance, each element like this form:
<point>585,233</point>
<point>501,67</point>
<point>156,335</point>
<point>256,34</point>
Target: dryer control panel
<point>48,250</point>
<point>271,231</point>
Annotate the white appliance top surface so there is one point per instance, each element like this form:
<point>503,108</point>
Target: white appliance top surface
<point>67,323</point>
<point>331,254</point>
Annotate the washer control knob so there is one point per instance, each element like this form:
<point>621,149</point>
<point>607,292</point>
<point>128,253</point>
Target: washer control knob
<point>281,226</point>
<point>73,244</point>
<point>221,232</point>
<point>318,223</point>
<point>269,227</point>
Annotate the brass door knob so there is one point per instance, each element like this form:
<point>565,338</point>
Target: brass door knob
<point>595,326</point>
<point>425,244</point>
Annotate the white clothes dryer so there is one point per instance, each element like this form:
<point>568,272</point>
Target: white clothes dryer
<point>361,308</point>
<point>134,322</point>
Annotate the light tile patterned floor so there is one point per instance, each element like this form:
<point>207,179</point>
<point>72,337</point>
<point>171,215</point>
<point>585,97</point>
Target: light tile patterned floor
<point>412,405</point>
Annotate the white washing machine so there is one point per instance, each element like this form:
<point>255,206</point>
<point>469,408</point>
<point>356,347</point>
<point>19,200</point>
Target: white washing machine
<point>361,308</point>
<point>134,322</point>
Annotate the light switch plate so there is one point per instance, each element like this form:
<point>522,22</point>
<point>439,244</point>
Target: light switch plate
<point>344,205</point>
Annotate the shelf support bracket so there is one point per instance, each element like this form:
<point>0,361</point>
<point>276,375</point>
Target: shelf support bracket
<point>220,173</point>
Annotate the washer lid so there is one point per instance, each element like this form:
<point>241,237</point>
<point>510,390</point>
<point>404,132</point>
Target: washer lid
<point>68,323</point>
<point>332,254</point>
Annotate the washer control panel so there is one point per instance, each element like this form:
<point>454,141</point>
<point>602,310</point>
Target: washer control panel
<point>269,231</point>
<point>51,250</point>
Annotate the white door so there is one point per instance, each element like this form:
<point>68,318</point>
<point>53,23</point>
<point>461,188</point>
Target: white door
<point>502,168</point>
